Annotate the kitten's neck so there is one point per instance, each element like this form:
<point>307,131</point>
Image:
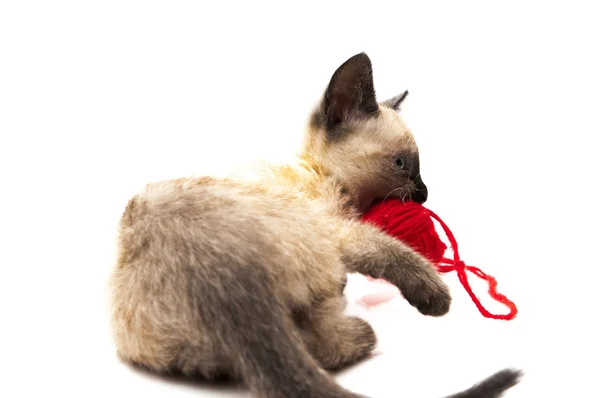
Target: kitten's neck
<point>313,180</point>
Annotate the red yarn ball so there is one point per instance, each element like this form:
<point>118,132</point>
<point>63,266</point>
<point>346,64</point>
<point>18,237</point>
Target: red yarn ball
<point>411,223</point>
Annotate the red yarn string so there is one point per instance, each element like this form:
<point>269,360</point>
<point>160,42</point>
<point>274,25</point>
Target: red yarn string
<point>461,269</point>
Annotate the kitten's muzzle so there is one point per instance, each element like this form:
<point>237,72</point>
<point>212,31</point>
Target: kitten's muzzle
<point>420,193</point>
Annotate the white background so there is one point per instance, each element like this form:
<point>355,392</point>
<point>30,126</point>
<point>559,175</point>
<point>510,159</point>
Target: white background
<point>99,98</point>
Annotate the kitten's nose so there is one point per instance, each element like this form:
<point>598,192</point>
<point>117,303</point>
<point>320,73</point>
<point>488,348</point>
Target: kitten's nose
<point>420,193</point>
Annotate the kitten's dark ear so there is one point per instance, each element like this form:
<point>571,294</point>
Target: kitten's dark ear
<point>396,101</point>
<point>350,94</point>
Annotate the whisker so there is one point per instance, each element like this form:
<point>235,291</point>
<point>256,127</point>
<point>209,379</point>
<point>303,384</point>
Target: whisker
<point>391,192</point>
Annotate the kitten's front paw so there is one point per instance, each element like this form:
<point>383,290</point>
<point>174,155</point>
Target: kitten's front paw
<point>428,293</point>
<point>433,302</point>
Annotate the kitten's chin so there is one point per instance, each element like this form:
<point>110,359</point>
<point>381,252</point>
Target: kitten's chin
<point>366,203</point>
<point>376,201</point>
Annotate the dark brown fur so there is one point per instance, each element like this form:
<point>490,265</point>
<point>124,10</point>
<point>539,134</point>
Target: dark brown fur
<point>245,278</point>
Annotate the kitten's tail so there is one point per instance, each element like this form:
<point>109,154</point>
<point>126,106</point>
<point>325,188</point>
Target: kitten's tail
<point>254,327</point>
<point>493,386</point>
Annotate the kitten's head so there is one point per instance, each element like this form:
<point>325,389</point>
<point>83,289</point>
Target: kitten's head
<point>362,142</point>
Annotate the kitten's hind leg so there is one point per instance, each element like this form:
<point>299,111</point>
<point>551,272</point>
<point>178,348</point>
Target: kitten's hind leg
<point>192,362</point>
<point>333,338</point>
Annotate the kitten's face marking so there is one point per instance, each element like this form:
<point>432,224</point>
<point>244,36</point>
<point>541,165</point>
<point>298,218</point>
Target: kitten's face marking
<point>363,143</point>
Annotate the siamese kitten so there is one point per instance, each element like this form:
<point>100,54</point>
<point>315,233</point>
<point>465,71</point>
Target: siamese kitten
<point>218,277</point>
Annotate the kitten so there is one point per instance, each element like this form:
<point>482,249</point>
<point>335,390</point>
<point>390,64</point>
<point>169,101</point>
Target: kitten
<point>218,277</point>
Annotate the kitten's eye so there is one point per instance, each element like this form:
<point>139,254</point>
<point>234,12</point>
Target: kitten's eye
<point>400,161</point>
